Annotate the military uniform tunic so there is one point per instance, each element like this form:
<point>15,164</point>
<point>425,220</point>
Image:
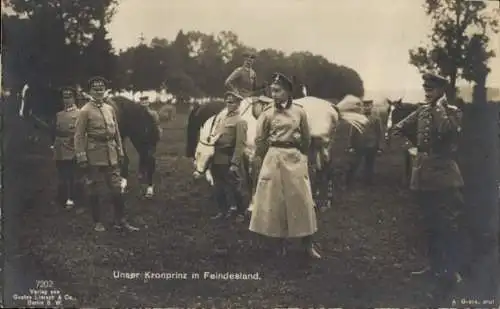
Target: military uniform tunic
<point>64,154</point>
<point>229,150</point>
<point>283,202</point>
<point>436,178</point>
<point>434,167</point>
<point>371,137</point>
<point>366,146</point>
<point>64,146</point>
<point>98,142</point>
<point>97,138</point>
<point>242,81</point>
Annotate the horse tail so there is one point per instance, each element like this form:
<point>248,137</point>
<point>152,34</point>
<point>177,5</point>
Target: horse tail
<point>357,120</point>
<point>320,152</point>
<point>192,131</point>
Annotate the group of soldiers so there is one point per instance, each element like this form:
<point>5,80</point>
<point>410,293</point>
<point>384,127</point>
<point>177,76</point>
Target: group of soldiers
<point>88,147</point>
<point>436,179</point>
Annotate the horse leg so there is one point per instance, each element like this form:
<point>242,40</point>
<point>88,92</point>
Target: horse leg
<point>407,162</point>
<point>330,174</point>
<point>314,178</point>
<point>147,167</point>
<point>324,188</point>
<point>124,170</point>
<point>150,168</point>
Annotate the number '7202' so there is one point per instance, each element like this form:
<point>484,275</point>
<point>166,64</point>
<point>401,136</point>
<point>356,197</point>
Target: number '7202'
<point>44,284</point>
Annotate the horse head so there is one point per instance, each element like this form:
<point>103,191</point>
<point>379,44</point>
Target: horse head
<point>40,102</point>
<point>205,147</point>
<point>397,111</point>
<point>393,105</point>
<point>249,110</point>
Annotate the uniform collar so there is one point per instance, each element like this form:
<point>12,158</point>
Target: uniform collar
<point>98,103</point>
<point>71,108</point>
<point>442,100</point>
<point>283,105</point>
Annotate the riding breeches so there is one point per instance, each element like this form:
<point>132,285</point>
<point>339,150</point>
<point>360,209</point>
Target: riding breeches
<point>442,213</point>
<point>228,187</point>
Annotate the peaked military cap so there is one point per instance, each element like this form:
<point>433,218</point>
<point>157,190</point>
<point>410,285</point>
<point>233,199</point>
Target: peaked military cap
<point>232,94</point>
<point>367,102</point>
<point>249,54</point>
<point>283,81</point>
<point>97,81</point>
<point>432,80</point>
<point>68,92</point>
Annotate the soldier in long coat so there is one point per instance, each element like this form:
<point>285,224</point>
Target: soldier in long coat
<point>365,145</point>
<point>227,162</point>
<point>99,151</point>
<point>284,206</point>
<point>436,178</point>
<point>243,79</point>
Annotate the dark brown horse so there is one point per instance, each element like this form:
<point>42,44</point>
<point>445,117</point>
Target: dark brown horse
<point>39,104</point>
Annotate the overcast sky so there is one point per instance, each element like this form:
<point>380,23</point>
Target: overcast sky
<point>371,36</point>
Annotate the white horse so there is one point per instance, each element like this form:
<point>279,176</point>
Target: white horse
<point>323,118</point>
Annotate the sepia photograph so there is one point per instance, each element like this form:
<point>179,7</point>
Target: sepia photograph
<point>250,154</point>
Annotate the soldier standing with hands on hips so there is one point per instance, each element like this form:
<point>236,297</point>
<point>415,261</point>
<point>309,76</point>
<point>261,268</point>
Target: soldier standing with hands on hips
<point>243,79</point>
<point>436,178</point>
<point>99,151</point>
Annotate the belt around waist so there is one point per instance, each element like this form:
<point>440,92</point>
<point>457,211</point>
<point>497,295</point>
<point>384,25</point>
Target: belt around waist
<point>283,145</point>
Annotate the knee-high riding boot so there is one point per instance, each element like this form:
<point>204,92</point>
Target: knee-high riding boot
<point>119,207</point>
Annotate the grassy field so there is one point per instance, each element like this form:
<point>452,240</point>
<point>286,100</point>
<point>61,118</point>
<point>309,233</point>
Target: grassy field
<point>371,239</point>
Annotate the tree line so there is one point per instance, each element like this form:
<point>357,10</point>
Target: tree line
<point>196,64</point>
<point>58,42</point>
<point>458,42</point>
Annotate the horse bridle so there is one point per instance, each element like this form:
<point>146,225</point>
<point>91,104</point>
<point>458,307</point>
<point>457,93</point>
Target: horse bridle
<point>207,143</point>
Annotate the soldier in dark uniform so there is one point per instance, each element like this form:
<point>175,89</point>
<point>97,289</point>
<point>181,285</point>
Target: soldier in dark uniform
<point>243,79</point>
<point>99,151</point>
<point>227,163</point>
<point>436,178</point>
<point>64,149</point>
<point>365,145</point>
